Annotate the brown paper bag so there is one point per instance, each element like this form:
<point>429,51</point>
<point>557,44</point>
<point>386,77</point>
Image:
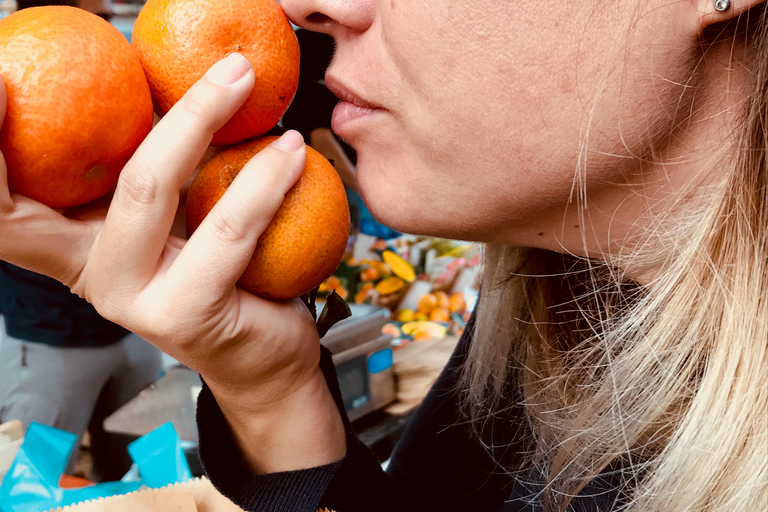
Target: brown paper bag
<point>197,495</point>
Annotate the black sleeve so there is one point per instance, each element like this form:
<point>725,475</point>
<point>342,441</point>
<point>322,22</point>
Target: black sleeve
<point>439,464</point>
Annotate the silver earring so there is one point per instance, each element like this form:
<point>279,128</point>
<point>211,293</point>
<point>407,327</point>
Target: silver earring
<point>722,5</point>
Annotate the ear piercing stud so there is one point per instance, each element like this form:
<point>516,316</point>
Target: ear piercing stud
<point>722,5</point>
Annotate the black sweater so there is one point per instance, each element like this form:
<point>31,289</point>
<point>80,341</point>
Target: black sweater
<point>439,465</point>
<point>42,310</point>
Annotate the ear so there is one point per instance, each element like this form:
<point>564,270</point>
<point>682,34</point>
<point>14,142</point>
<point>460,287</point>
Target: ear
<point>708,13</point>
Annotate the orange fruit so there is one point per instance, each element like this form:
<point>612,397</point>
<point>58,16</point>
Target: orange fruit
<point>178,40</point>
<point>439,314</point>
<point>306,239</point>
<point>78,104</point>
<point>442,299</point>
<point>457,303</point>
<point>369,274</point>
<point>364,293</point>
<point>333,284</point>
<point>427,303</point>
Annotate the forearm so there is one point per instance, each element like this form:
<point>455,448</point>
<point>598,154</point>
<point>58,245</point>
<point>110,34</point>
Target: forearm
<point>302,430</point>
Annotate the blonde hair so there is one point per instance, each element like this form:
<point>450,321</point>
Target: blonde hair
<point>667,382</point>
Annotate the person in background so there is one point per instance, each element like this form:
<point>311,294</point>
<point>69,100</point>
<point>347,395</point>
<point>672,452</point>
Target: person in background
<point>64,365</point>
<point>613,158</point>
<point>102,8</point>
<point>61,363</point>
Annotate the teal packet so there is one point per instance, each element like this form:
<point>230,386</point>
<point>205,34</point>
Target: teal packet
<point>32,482</point>
<point>160,457</point>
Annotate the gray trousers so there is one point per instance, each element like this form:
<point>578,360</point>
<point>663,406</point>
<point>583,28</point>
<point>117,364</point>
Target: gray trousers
<point>75,389</point>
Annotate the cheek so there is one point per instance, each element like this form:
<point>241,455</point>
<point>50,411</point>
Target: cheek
<point>486,131</point>
<point>446,197</point>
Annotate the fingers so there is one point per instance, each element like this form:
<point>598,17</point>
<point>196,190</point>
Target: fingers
<point>147,194</point>
<point>217,253</point>
<point>5,195</point>
<point>40,239</point>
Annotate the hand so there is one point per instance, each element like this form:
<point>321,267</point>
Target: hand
<point>259,358</point>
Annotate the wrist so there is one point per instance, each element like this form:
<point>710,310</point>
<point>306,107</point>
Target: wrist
<point>302,429</point>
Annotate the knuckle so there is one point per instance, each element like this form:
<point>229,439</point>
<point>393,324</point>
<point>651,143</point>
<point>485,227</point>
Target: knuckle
<point>141,186</point>
<point>6,209</point>
<point>194,105</point>
<point>228,226</point>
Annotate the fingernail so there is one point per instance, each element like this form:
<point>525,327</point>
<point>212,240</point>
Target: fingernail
<point>289,142</point>
<point>229,69</point>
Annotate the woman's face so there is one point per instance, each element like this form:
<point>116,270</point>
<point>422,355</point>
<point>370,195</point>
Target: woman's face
<point>467,115</point>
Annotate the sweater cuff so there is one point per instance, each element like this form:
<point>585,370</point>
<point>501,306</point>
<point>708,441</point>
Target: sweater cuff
<point>298,491</point>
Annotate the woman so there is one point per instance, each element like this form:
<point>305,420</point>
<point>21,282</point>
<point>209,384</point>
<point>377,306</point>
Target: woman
<point>612,157</point>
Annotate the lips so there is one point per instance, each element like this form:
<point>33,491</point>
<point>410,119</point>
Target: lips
<point>352,114</point>
<point>346,94</point>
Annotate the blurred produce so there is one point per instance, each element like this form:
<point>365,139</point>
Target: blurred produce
<point>425,282</point>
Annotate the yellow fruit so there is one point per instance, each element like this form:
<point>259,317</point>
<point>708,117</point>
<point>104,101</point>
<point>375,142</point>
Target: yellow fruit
<point>405,315</point>
<point>421,331</point>
<point>389,285</point>
<point>399,266</point>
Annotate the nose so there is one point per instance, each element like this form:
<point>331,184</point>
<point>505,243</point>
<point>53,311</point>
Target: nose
<point>332,17</point>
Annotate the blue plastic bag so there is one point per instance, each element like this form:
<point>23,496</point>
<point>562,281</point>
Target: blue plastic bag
<point>32,482</point>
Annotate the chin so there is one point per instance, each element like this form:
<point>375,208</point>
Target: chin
<point>400,202</point>
<point>393,212</point>
<point>413,218</point>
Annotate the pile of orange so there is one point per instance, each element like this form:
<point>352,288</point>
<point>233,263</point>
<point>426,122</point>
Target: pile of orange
<point>436,306</point>
<point>81,98</point>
